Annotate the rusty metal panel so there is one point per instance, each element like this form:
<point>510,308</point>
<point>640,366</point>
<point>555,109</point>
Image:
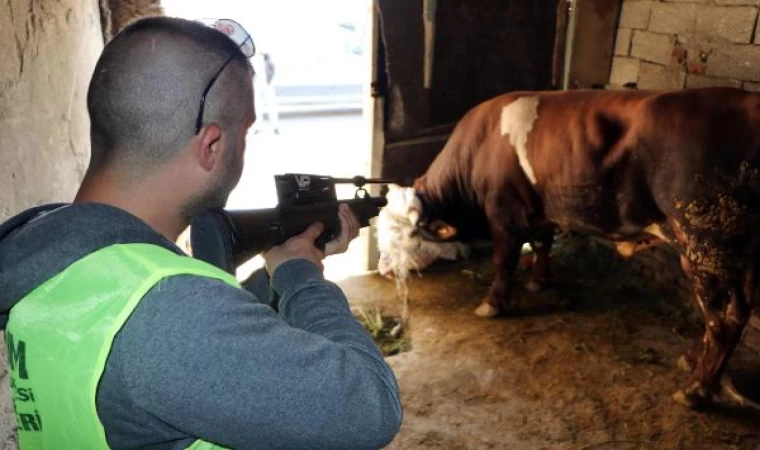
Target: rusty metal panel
<point>487,47</point>
<point>481,48</point>
<point>407,109</point>
<point>406,160</point>
<point>593,43</point>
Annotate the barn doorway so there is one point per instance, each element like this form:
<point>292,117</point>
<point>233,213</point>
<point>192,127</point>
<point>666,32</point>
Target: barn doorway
<point>315,116</point>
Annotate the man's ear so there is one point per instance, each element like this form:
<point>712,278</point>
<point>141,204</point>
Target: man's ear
<point>209,147</point>
<point>442,230</point>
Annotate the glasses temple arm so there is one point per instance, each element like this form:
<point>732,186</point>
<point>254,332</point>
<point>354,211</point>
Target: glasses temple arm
<point>199,121</point>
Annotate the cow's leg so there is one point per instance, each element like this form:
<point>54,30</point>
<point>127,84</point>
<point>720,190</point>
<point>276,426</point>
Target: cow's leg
<point>539,276</point>
<point>688,360</point>
<point>752,294</point>
<point>506,254</point>
<point>726,310</point>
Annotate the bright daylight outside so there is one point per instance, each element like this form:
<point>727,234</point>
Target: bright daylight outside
<point>311,90</point>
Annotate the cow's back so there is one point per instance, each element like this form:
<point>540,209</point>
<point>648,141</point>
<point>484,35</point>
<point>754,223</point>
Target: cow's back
<point>699,140</point>
<point>609,161</point>
<point>602,161</point>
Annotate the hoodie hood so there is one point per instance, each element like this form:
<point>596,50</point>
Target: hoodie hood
<point>40,242</point>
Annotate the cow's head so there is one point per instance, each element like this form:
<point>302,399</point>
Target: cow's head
<point>452,220</point>
<point>435,230</point>
<point>406,239</point>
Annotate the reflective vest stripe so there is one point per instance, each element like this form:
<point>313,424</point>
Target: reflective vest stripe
<point>59,337</point>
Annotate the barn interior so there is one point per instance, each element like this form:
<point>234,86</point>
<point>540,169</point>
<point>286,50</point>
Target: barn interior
<point>589,362</point>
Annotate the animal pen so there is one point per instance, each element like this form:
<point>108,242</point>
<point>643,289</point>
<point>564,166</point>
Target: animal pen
<point>588,362</point>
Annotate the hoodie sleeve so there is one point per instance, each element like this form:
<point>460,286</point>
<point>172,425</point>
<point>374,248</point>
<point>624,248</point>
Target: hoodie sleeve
<point>259,284</point>
<point>211,361</point>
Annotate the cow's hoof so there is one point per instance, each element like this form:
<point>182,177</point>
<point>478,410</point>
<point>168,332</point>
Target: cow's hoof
<point>733,396</point>
<point>684,364</point>
<point>486,310</point>
<point>692,397</point>
<point>534,286</point>
<point>681,398</point>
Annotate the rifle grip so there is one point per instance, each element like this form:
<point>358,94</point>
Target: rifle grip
<point>325,237</point>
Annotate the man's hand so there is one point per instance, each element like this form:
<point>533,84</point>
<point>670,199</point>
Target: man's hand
<point>297,247</point>
<point>302,246</point>
<point>349,229</point>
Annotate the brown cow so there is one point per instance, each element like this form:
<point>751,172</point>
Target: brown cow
<point>639,167</point>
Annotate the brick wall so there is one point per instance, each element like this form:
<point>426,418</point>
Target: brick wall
<point>687,43</point>
<point>675,44</point>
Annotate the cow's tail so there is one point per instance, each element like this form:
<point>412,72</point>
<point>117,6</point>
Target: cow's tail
<point>754,274</point>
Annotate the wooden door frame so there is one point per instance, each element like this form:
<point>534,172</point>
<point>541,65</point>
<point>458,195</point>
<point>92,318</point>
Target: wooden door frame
<point>374,111</point>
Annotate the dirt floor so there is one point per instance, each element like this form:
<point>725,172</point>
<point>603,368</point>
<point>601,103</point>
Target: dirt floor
<point>588,364</point>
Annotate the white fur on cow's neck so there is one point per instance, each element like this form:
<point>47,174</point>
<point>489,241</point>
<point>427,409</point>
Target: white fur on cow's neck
<point>517,120</point>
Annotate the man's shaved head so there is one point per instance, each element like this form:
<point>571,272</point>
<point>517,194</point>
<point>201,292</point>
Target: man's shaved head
<point>145,92</point>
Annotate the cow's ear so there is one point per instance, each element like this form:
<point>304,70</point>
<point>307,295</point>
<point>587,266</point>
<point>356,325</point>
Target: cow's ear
<point>443,230</point>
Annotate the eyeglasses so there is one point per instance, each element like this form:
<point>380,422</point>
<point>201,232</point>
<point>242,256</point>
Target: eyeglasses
<point>237,33</point>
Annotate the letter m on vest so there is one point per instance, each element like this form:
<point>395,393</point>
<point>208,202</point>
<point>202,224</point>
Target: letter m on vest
<point>17,356</point>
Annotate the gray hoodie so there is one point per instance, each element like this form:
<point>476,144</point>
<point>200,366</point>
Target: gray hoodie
<point>201,359</point>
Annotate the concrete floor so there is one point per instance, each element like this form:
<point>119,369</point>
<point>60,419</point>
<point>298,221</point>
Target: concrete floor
<point>588,364</point>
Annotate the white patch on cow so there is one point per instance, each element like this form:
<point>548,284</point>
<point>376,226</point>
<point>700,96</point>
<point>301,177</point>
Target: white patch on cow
<point>401,252</point>
<point>486,310</point>
<point>655,230</point>
<point>625,249</point>
<point>533,286</point>
<point>517,120</point>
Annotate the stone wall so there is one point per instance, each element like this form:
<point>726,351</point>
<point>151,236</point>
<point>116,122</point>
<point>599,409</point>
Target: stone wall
<point>687,44</point>
<point>48,51</point>
<point>117,14</point>
<point>676,44</point>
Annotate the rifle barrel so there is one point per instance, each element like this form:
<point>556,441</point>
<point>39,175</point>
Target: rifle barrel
<point>360,181</point>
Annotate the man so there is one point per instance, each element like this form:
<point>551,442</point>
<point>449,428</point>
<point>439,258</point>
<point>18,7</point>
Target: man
<point>117,339</point>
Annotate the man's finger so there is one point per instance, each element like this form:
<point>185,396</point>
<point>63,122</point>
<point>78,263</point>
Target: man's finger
<point>345,221</point>
<point>353,222</point>
<point>346,216</point>
<point>313,231</point>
